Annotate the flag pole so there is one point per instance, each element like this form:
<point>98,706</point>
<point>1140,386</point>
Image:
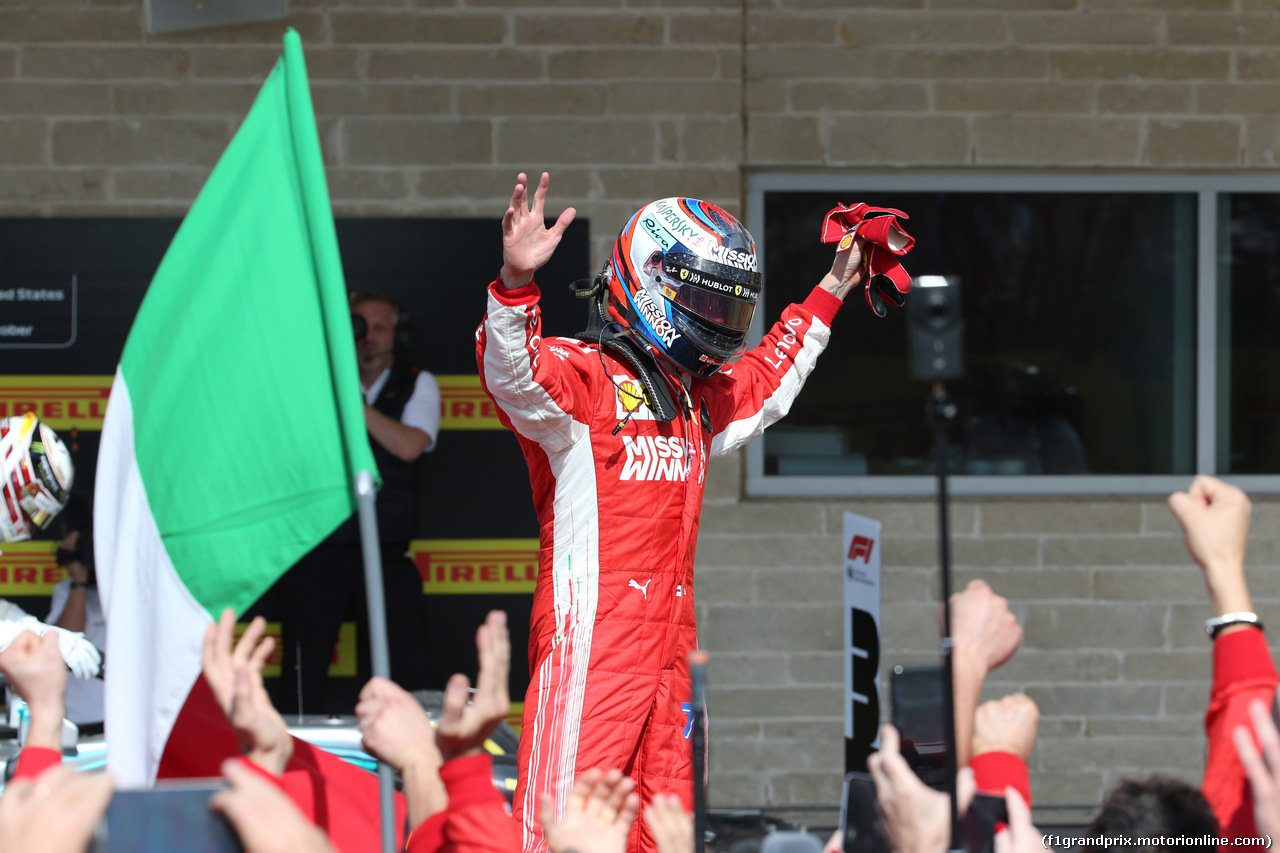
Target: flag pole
<point>378,649</point>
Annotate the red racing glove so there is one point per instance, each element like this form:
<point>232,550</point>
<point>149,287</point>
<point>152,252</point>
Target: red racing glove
<point>885,243</point>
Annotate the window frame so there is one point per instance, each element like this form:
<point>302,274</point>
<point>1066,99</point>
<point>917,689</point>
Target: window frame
<point>1208,188</point>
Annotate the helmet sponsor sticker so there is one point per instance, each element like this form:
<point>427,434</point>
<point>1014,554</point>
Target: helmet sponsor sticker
<point>655,317</point>
<point>660,235</point>
<point>475,566</point>
<point>682,227</point>
<point>734,258</point>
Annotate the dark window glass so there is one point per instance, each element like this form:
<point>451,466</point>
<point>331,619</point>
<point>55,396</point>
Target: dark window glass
<point>1080,337</point>
<point>1249,336</point>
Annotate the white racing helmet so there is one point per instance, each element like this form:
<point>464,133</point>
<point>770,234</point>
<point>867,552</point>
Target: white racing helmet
<point>35,476</point>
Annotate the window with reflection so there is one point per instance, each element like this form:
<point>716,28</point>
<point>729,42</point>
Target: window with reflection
<point>1080,337</point>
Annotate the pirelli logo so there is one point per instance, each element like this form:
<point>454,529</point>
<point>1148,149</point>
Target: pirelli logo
<point>80,402</point>
<point>464,405</point>
<point>341,665</point>
<point>27,568</point>
<point>62,402</point>
<point>476,566</point>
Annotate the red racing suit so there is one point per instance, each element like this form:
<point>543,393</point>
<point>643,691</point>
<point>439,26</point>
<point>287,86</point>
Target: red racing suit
<point>613,613</point>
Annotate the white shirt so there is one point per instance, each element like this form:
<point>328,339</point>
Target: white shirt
<point>422,411</point>
<point>84,695</point>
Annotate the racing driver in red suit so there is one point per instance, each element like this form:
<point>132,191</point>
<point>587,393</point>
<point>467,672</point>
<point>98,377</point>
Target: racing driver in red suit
<point>617,426</point>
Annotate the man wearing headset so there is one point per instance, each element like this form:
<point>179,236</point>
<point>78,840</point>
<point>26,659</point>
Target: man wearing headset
<point>402,415</point>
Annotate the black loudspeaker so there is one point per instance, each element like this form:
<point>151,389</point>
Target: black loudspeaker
<point>935,328</point>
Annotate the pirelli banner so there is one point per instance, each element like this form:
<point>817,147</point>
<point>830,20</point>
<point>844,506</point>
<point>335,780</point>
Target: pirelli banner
<point>69,290</point>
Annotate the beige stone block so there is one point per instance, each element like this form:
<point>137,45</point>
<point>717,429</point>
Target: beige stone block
<point>736,789</point>
<point>668,140</point>
<point>1051,141</point>
<point>700,98</point>
<point>864,29</point>
<point>840,5</point>
<point>575,141</point>
<point>1185,700</point>
<point>414,141</point>
<point>535,99</point>
<point>36,185</point>
<point>102,62</point>
<point>712,140</point>
<point>1094,625</point>
<point>898,140</point>
<point>1146,64</point>
<point>724,479</point>
<point>413,27</point>
<point>727,730</point>
<point>1029,516</point>
<point>908,584</point>
<point>229,100</point>
<point>495,182</point>
<point>773,702</point>
<point>1218,29</point>
<point>594,30</point>
<point>1112,700</point>
<point>253,63</point>
<point>829,729</point>
<point>633,63</point>
<point>1261,141</point>
<point>137,142</point>
<point>352,184</point>
<point>712,184</point>
<point>705,27</point>
<point>716,586</point>
<point>1165,5</point>
<point>778,757</point>
<point>898,63</point>
<point>381,99</point>
<point>1169,583</point>
<point>907,627</point>
<point>770,627</point>
<point>859,96</point>
<point>1034,666</point>
<point>786,27</point>
<point>453,63</point>
<point>29,98</point>
<point>1145,98</point>
<point>906,517</point>
<point>795,517</point>
<point>766,96</point>
<point>816,668</point>
<point>172,184</point>
<point>523,5</point>
<point>1164,666</point>
<point>1074,28</point>
<point>804,787</point>
<point>1022,585</point>
<point>729,669</point>
<point>1114,551</point>
<point>1012,5</point>
<point>8,63</point>
<point>1112,753</point>
<point>799,586</point>
<point>40,24</point>
<point>999,96</point>
<point>1193,142</point>
<point>1186,727</point>
<point>1064,785</point>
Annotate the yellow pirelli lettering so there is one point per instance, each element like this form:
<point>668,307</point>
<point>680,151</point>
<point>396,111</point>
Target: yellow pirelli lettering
<point>476,566</point>
<point>343,663</point>
<point>62,402</point>
<point>464,405</point>
<point>28,568</point>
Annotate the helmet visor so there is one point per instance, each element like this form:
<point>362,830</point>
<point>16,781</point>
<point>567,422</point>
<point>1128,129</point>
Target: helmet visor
<point>715,292</point>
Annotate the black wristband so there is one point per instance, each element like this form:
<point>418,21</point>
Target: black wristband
<point>79,585</point>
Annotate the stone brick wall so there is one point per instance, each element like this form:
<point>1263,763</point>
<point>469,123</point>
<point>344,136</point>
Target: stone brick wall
<point>429,107</point>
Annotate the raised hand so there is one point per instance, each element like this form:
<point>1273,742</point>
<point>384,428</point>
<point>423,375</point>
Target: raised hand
<point>396,730</point>
<point>1007,724</point>
<point>671,825</point>
<point>463,727</point>
<point>1263,770</point>
<point>847,269</point>
<point>55,813</point>
<point>266,820</point>
<point>598,817</point>
<point>234,674</point>
<point>527,242</point>
<point>916,818</point>
<point>1215,519</point>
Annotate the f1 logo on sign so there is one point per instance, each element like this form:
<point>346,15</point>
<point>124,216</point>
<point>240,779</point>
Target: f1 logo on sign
<point>861,639</point>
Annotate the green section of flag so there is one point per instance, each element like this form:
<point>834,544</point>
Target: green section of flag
<point>241,366</point>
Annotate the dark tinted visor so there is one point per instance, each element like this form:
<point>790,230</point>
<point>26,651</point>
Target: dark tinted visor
<point>740,271</point>
<point>719,309</point>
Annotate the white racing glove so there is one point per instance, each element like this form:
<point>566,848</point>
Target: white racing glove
<point>81,656</point>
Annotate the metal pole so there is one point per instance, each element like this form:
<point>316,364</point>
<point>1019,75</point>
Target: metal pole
<point>698,675</point>
<point>378,650</point>
<point>943,412</point>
